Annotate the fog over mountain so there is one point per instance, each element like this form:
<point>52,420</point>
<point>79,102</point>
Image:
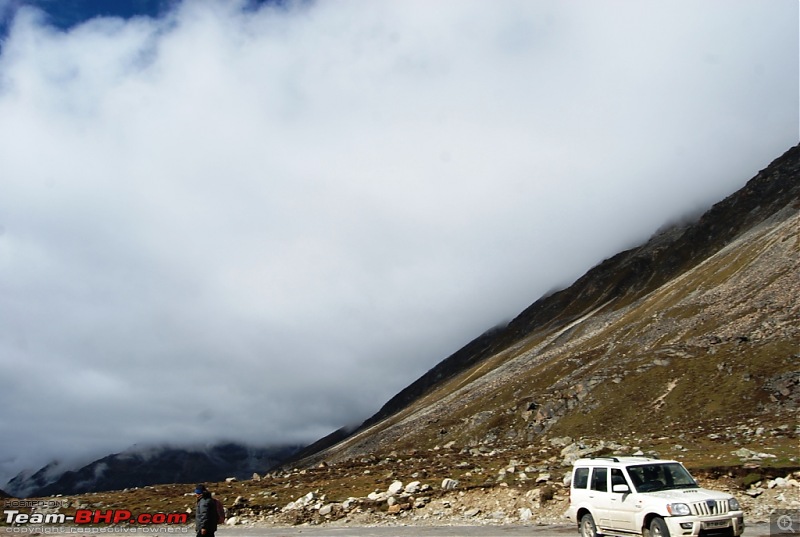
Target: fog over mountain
<point>258,223</point>
<point>143,466</point>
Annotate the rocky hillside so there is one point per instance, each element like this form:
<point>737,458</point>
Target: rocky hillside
<point>445,485</point>
<point>694,332</point>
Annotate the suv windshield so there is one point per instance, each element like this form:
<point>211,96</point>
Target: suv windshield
<point>653,477</point>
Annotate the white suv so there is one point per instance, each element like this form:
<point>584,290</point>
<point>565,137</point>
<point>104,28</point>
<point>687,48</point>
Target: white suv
<point>650,497</point>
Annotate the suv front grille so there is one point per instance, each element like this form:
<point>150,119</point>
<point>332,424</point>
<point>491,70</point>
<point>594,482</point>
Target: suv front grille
<point>711,507</point>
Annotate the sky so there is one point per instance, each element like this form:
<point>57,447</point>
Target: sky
<point>258,222</point>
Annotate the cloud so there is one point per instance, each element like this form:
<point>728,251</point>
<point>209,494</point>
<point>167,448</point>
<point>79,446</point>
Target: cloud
<point>260,223</point>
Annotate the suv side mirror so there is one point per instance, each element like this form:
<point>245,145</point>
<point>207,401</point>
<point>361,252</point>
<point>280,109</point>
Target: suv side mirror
<point>620,488</point>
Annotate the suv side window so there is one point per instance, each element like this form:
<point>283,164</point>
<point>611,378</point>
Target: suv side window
<point>581,478</point>
<point>617,477</point>
<point>600,479</point>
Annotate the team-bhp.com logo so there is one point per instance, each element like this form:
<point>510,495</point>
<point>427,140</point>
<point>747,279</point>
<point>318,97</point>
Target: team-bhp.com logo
<point>95,516</point>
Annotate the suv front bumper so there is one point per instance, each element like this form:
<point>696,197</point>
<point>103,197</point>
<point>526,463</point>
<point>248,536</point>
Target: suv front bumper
<point>731,523</point>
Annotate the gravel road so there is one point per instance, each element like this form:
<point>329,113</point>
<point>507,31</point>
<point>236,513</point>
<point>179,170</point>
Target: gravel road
<point>401,531</point>
<point>556,530</point>
<point>756,530</point>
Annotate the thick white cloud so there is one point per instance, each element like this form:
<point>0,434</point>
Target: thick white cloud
<point>262,224</point>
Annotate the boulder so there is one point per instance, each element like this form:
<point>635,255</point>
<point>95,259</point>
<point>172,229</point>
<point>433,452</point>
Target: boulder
<point>412,488</point>
<point>449,484</point>
<point>395,487</point>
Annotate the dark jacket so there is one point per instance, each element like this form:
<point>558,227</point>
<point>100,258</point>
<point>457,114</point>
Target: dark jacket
<point>206,513</point>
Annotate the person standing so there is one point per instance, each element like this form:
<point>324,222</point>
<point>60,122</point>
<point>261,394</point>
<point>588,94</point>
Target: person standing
<point>205,522</point>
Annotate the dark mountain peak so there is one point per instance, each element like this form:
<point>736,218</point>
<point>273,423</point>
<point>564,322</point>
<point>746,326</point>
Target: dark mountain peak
<point>143,466</point>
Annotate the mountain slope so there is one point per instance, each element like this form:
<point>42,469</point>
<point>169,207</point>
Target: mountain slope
<point>695,330</point>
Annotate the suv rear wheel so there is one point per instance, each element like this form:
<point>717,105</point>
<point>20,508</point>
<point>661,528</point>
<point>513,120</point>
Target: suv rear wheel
<point>588,528</point>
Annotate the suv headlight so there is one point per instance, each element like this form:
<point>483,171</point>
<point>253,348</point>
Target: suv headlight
<point>733,504</point>
<point>678,509</point>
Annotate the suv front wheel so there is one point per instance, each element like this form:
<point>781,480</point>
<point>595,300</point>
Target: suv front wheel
<point>658,528</point>
<point>588,528</point>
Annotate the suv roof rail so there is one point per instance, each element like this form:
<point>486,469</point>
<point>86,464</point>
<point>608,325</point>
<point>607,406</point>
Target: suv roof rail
<point>616,459</point>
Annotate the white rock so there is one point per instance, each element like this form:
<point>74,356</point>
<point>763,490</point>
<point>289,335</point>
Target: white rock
<point>449,484</point>
<point>412,488</point>
<point>395,487</point>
